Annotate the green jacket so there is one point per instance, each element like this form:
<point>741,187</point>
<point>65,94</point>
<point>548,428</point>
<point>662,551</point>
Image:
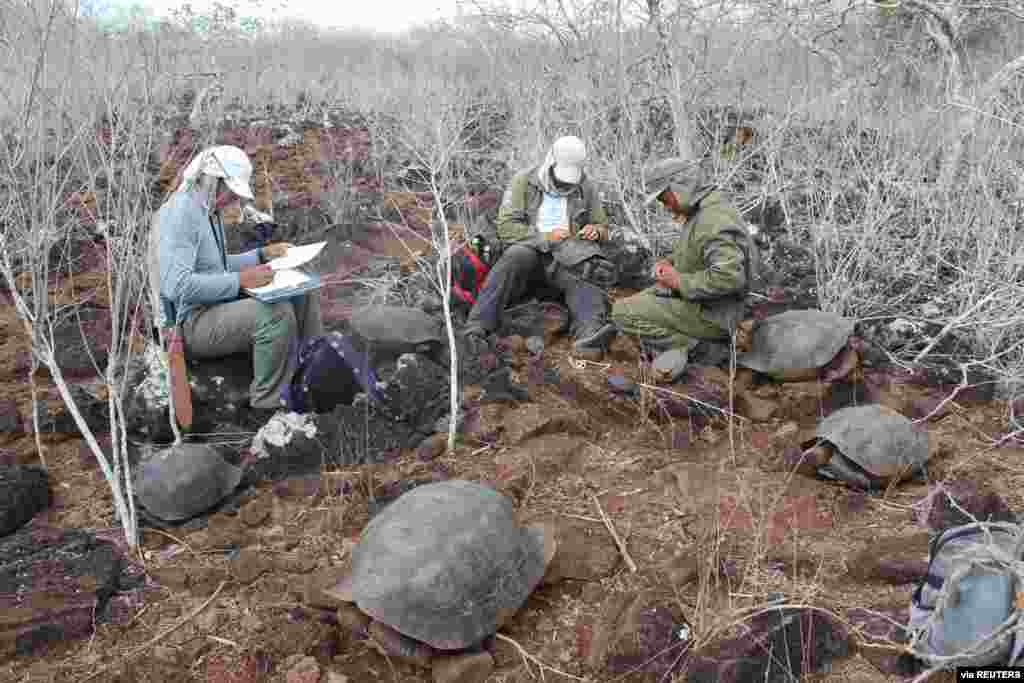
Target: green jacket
<point>518,213</point>
<point>717,260</point>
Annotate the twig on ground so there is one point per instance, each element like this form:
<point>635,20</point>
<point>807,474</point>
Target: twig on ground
<point>678,394</point>
<point>527,656</point>
<point>160,636</point>
<point>615,535</point>
<point>177,540</point>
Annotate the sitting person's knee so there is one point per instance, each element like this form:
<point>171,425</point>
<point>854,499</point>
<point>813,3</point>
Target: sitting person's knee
<point>279,316</point>
<point>519,257</point>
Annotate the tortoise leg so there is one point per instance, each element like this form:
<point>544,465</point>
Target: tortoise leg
<point>464,668</point>
<point>392,643</point>
<point>845,364</point>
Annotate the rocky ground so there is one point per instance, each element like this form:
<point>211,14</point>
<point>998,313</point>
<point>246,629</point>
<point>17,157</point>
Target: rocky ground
<point>716,522</point>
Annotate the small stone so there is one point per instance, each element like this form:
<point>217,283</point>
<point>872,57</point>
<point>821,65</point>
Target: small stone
<point>469,668</point>
<point>257,511</point>
<point>756,409</point>
<point>535,345</point>
<point>335,677</point>
<point>247,566</point>
<point>432,447</point>
<point>306,670</point>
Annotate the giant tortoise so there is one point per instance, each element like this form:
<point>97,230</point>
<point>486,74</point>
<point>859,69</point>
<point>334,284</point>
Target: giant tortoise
<point>867,446</point>
<point>390,331</point>
<point>797,345</point>
<point>184,480</point>
<point>441,569</point>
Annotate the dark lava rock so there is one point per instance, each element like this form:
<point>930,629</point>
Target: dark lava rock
<point>970,497</point>
<point>220,395</point>
<point>11,423</point>
<point>55,584</point>
<point>24,491</point>
<point>782,645</point>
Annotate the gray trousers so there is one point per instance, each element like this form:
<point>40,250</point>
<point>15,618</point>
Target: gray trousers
<point>269,330</point>
<point>520,267</point>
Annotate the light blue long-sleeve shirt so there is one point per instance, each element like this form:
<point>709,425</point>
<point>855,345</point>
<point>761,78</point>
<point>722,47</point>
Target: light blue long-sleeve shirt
<point>194,269</point>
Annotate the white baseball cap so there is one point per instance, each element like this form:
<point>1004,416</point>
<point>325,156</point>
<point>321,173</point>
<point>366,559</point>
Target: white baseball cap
<point>223,161</point>
<point>569,153</point>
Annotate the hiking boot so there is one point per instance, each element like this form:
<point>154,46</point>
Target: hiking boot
<point>594,338</point>
<point>670,365</point>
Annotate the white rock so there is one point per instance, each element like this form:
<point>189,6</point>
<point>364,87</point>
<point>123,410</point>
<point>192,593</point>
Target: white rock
<point>280,430</point>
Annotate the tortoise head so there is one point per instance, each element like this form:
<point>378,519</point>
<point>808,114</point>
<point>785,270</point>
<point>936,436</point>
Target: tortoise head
<point>745,335</point>
<point>547,536</point>
<point>342,589</point>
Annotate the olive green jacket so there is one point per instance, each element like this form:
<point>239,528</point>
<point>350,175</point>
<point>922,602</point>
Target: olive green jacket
<point>518,213</point>
<point>717,260</point>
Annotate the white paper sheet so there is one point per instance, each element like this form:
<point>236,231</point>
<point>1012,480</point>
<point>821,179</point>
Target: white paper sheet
<point>297,256</point>
<point>282,280</point>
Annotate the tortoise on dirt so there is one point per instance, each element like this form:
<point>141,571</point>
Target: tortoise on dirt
<point>867,446</point>
<point>394,330</point>
<point>184,480</point>
<point>796,345</point>
<point>441,569</point>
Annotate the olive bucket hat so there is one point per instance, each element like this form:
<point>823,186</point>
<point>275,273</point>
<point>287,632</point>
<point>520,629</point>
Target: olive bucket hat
<point>662,175</point>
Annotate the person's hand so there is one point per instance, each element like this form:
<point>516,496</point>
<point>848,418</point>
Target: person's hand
<point>275,250</point>
<point>666,275</point>
<point>558,234</point>
<point>255,276</point>
<point>593,232</point>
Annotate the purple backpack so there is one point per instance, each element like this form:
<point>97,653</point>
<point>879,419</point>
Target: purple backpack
<point>329,371</point>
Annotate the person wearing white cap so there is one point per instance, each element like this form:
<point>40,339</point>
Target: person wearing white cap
<point>199,282</point>
<point>551,218</point>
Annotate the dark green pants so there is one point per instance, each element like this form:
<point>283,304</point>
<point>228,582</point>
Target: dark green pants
<point>675,320</point>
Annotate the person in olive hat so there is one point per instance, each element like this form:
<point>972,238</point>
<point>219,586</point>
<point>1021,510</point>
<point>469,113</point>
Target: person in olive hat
<point>550,221</point>
<point>701,288</point>
<point>199,282</point>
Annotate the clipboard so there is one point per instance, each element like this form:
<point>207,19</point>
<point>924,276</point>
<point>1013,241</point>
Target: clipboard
<point>272,293</point>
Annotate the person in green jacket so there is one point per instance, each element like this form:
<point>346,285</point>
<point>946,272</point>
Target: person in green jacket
<point>550,216</point>
<point>700,290</point>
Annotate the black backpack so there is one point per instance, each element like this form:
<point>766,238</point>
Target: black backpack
<point>329,372</point>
